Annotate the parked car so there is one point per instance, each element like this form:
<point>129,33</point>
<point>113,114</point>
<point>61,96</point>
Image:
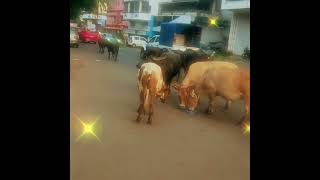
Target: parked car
<point>74,38</point>
<point>137,41</point>
<point>88,36</point>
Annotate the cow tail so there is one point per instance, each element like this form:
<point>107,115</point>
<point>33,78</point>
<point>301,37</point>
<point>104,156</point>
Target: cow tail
<point>147,94</point>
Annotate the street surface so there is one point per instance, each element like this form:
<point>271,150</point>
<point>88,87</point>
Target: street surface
<point>177,146</point>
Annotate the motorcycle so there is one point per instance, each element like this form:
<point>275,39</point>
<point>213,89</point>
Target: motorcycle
<point>246,53</point>
<point>214,47</point>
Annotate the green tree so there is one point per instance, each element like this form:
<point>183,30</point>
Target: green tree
<point>77,6</point>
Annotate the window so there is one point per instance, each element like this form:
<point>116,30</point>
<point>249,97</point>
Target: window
<point>136,38</point>
<point>126,7</point>
<point>136,6</point>
<point>142,39</point>
<point>131,7</point>
<point>145,7</point>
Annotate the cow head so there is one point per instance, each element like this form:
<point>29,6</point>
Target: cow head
<point>164,93</point>
<point>188,96</point>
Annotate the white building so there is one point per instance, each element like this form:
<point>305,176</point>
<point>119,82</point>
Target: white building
<point>137,13</point>
<point>239,36</point>
<point>92,20</point>
<point>199,11</point>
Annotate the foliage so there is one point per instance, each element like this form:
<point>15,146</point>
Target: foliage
<point>78,6</point>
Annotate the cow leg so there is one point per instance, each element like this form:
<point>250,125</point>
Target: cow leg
<point>247,110</point>
<point>150,111</point>
<point>211,105</point>
<point>140,111</point>
<point>141,108</point>
<point>117,51</point>
<point>227,106</point>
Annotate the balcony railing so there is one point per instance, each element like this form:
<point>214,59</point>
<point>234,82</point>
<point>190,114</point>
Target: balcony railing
<point>235,4</point>
<point>137,16</point>
<point>185,12</point>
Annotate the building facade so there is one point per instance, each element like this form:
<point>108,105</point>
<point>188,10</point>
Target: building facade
<point>239,36</point>
<point>138,14</point>
<point>93,22</point>
<point>199,13</point>
<point>115,14</point>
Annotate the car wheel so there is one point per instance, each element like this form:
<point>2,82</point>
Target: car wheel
<point>134,45</point>
<point>77,45</point>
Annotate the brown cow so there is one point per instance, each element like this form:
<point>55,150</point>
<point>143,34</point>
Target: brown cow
<point>151,85</point>
<point>216,78</point>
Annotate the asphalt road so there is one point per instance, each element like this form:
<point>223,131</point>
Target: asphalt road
<point>177,146</point>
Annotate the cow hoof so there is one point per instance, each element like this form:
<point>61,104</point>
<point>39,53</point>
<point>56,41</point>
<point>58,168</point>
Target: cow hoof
<point>225,109</point>
<point>149,122</point>
<point>138,119</point>
<point>242,122</point>
<point>209,111</point>
<point>190,112</point>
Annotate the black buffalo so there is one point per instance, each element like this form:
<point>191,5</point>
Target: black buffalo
<point>113,49</point>
<point>173,61</point>
<point>152,52</point>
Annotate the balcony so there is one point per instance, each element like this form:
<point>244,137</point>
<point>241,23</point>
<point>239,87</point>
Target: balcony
<point>235,4</point>
<point>177,1</point>
<point>136,16</point>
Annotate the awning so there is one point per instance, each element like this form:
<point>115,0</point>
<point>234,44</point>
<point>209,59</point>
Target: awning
<point>185,19</point>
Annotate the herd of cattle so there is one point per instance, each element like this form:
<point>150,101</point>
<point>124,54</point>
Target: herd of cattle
<point>203,77</point>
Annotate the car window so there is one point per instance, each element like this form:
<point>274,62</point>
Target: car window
<point>157,39</point>
<point>143,39</point>
<point>152,39</point>
<point>136,38</point>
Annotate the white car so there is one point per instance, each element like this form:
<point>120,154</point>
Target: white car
<point>153,42</point>
<point>137,41</point>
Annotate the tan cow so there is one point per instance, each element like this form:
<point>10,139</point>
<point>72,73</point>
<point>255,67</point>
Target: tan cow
<point>215,78</point>
<point>151,85</point>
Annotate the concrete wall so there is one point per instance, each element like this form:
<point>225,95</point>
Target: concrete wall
<point>209,34</point>
<point>239,37</point>
<point>235,4</point>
